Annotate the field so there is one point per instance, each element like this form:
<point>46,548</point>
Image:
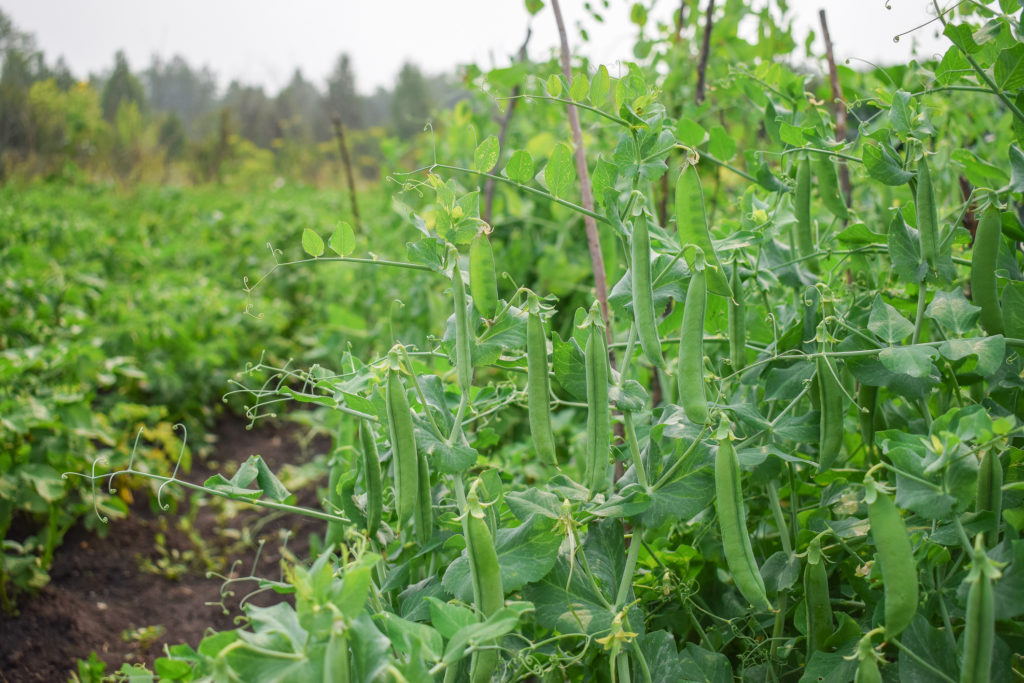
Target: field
<point>707,368</point>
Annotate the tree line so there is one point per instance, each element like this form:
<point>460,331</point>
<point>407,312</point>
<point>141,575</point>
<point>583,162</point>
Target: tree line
<point>171,123</point>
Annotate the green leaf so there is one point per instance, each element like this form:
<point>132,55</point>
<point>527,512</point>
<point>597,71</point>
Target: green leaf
<point>498,624</point>
<point>952,67</point>
<point>448,618</point>
<point>554,85</point>
<point>686,496</point>
<point>1009,590</point>
<point>1016,169</point>
<point>486,154</point>
<point>270,484</point>
<point>559,173</point>
<point>900,116</point>
<point>829,667</point>
<point>580,87</point>
<point>989,351</point>
<point>402,631</point>
<point>690,133</point>
<point>520,167</point>
<point>445,457</point>
<point>1009,67</point>
<point>883,165</point>
<point>905,250</point>
<point>661,656</point>
<point>915,361</point>
<point>704,665</point>
<point>343,240</point>
<point>566,601</point>
<point>1013,309</point>
<point>569,366</point>
<point>534,6</point>
<point>962,36</point>
<point>953,311</point>
<point>312,244</point>
<point>887,323</point>
<point>721,144</point>
<point>979,171</point>
<point>600,86</point>
<point>928,644</point>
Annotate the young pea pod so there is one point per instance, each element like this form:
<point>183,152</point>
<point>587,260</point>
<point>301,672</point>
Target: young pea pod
<point>816,597</point>
<point>896,557</point>
<point>831,423</point>
<point>732,523</point>
<point>828,186</point>
<point>737,323</point>
<point>927,215</point>
<point>485,573</point>
<point>643,293</point>
<point>802,211</point>
<point>483,280</point>
<point>983,270</point>
<point>538,383</point>
<point>598,412</point>
<point>423,519</point>
<point>867,405</point>
<point>335,530</point>
<point>990,492</point>
<point>690,369</point>
<point>403,445</point>
<point>979,632</point>
<point>371,478</point>
<point>463,335</point>
<point>867,665</point>
<point>692,226</point>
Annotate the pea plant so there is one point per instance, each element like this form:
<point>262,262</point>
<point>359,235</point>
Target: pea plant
<point>786,446</point>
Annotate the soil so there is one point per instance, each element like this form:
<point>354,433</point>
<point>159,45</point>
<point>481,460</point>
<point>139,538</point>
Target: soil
<point>99,592</point>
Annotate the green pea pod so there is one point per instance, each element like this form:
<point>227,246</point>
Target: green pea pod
<point>692,226</point>
<point>831,424</point>
<point>598,412</point>
<point>643,293</point>
<point>732,523</point>
<point>828,186</point>
<point>463,335</point>
<point>737,323</point>
<point>983,270</point>
<point>691,351</point>
<point>483,280</point>
<point>816,598</point>
<point>990,492</point>
<point>403,446</point>
<point>802,211</point>
<point>867,665</point>
<point>896,557</point>
<point>538,383</point>
<point>371,478</point>
<point>867,405</point>
<point>979,632</point>
<point>423,520</point>
<point>485,573</point>
<point>927,215</point>
<point>335,530</point>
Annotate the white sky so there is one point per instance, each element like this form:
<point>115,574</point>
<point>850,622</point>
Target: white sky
<point>263,41</point>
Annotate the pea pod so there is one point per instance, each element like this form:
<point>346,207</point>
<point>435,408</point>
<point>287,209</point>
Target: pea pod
<point>691,351</point>
<point>598,413</point>
<point>983,270</point>
<point>692,226</point>
<point>739,554</point>
<point>927,215</point>
<point>979,632</point>
<point>538,383</point>
<point>831,422</point>
<point>485,573</point>
<point>403,445</point>
<point>990,492</point>
<point>737,323</point>
<point>867,405</point>
<point>335,530</point>
<point>463,335</point>
<point>483,280</point>
<point>423,519</point>
<point>371,478</point>
<point>802,210</point>
<point>896,557</point>
<point>643,293</point>
<point>816,597</point>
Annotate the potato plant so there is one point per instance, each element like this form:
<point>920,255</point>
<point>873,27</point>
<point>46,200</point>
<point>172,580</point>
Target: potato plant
<point>790,450</point>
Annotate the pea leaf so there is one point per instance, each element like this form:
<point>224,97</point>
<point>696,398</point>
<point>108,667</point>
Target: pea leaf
<point>600,86</point>
<point>953,311</point>
<point>905,250</point>
<point>989,351</point>
<point>883,165</point>
<point>1009,68</point>
<point>520,167</point>
<point>580,87</point>
<point>915,361</point>
<point>887,323</point>
<point>343,240</point>
<point>559,173</point>
<point>312,244</point>
<point>486,154</point>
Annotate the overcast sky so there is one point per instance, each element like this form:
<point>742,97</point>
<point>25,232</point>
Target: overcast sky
<point>263,41</point>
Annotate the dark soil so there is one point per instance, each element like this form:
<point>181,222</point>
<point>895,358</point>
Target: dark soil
<point>99,591</point>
